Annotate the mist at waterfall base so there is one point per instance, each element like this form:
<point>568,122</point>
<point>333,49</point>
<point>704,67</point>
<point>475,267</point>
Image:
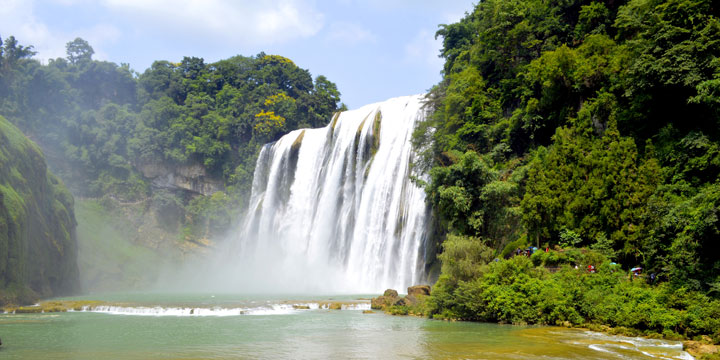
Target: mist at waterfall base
<point>332,210</point>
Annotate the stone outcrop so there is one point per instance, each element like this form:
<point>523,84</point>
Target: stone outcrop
<point>699,349</point>
<point>391,298</point>
<point>419,290</point>
<point>391,293</point>
<point>416,293</point>
<point>192,177</point>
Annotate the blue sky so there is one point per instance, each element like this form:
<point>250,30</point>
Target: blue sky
<point>372,49</point>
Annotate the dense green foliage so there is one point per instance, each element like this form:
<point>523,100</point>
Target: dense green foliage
<point>38,248</point>
<point>579,123</point>
<point>515,291</point>
<point>101,123</point>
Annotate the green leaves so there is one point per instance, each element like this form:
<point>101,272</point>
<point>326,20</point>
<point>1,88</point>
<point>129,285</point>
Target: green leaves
<point>103,120</point>
<point>456,191</point>
<point>598,125</point>
<point>210,111</point>
<point>78,51</point>
<point>463,257</point>
<point>589,185</point>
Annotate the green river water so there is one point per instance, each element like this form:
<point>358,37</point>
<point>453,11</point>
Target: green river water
<point>152,326</point>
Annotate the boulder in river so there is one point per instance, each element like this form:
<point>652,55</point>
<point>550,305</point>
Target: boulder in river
<point>377,303</point>
<point>419,290</point>
<point>390,297</point>
<point>390,293</point>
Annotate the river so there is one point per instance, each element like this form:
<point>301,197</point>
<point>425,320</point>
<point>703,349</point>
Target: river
<point>155,326</point>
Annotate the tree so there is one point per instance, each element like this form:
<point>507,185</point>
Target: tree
<point>593,186</point>
<point>13,52</point>
<point>79,51</point>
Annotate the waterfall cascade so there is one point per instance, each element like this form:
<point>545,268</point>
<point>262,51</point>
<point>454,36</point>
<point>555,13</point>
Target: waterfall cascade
<point>334,209</point>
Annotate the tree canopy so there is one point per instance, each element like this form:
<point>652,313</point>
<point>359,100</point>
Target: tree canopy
<point>596,119</point>
<point>99,121</point>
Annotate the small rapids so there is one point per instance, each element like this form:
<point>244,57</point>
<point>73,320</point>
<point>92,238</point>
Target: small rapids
<point>269,309</point>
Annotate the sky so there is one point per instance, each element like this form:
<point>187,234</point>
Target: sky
<point>372,49</point>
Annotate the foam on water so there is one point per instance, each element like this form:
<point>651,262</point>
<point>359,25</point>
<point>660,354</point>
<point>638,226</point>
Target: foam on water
<point>270,309</point>
<point>621,345</point>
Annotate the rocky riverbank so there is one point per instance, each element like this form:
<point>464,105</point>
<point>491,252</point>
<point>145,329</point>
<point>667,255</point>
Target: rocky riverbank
<point>411,304</point>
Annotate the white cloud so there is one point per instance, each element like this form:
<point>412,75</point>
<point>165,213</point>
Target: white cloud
<point>230,22</point>
<point>236,22</point>
<point>18,19</point>
<point>349,33</point>
<point>424,49</point>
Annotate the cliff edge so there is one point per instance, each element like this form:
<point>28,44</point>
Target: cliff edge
<point>38,247</point>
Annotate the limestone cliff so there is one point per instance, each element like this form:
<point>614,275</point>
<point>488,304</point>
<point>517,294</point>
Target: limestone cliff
<point>192,177</point>
<point>38,249</point>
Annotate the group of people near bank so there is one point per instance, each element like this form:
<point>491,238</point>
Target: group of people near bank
<point>635,272</point>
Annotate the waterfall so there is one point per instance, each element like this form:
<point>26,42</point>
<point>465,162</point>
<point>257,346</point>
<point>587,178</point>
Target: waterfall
<point>335,209</point>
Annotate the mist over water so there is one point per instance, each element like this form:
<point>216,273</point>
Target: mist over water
<point>334,209</point>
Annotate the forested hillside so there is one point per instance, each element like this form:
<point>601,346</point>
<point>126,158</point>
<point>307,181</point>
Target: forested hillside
<point>182,137</point>
<point>38,248</point>
<point>591,129</point>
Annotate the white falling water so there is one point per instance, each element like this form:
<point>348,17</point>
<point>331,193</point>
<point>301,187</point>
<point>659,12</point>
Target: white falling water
<point>334,209</point>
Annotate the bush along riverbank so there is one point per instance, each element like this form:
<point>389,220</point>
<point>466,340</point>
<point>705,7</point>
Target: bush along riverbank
<point>556,288</point>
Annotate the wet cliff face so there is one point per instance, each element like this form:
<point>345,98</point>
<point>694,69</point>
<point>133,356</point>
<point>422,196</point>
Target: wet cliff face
<point>191,177</point>
<point>38,249</point>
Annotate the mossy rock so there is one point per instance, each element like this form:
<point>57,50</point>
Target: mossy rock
<point>335,118</point>
<point>375,144</point>
<point>390,293</point>
<point>55,306</point>
<point>298,142</point>
<point>377,303</point>
<point>29,310</point>
<point>419,290</point>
